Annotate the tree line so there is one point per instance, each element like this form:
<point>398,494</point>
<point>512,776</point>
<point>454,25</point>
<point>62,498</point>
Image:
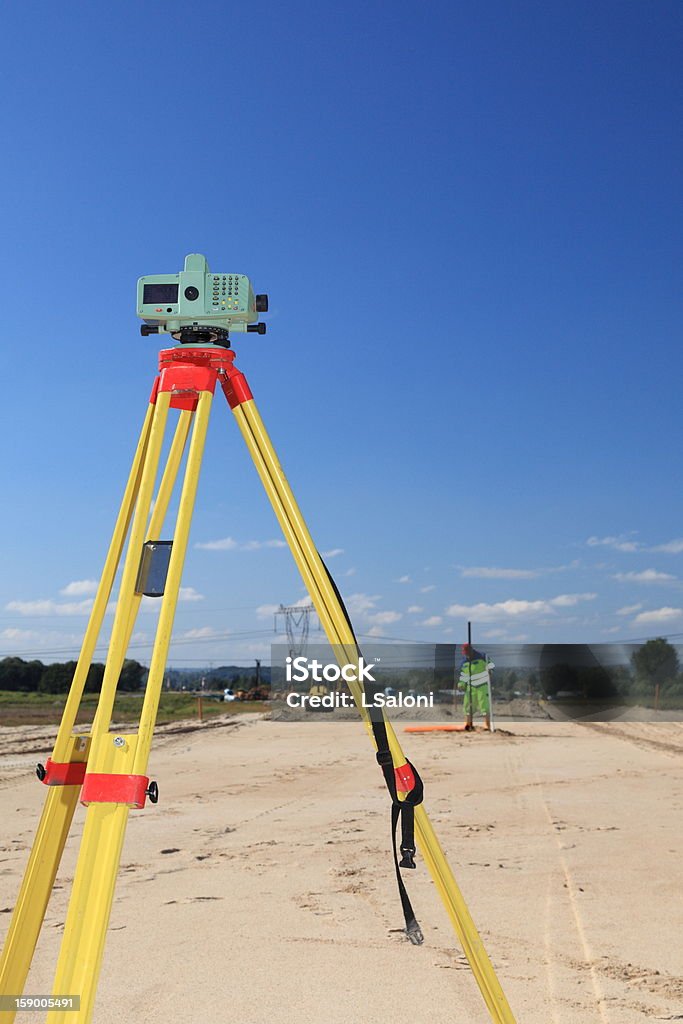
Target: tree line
<point>34,677</point>
<point>653,669</point>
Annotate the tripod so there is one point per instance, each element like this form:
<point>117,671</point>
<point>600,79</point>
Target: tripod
<point>108,771</point>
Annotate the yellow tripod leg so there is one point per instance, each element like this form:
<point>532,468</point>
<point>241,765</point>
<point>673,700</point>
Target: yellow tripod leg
<point>175,568</point>
<point>38,882</point>
<point>126,597</point>
<point>161,502</point>
<point>105,823</point>
<point>60,801</point>
<point>104,589</point>
<point>82,947</point>
<point>339,634</point>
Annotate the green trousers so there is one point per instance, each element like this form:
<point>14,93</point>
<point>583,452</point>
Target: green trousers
<point>477,700</point>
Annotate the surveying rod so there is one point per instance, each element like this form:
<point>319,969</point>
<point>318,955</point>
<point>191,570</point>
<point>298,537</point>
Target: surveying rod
<point>492,727</point>
<point>470,714</point>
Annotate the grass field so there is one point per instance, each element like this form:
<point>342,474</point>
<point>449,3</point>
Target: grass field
<point>46,708</point>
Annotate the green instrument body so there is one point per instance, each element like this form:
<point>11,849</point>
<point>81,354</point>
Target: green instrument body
<point>195,296</point>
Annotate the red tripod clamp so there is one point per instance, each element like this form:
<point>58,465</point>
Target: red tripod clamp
<point>405,779</point>
<point>109,788</point>
<point>61,773</point>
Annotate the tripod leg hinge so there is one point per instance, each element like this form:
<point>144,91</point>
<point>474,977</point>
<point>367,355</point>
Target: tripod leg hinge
<point>235,388</point>
<point>101,788</point>
<point>56,773</point>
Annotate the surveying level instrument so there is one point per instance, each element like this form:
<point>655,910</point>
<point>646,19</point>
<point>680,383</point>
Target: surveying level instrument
<point>107,771</point>
<point>198,307</point>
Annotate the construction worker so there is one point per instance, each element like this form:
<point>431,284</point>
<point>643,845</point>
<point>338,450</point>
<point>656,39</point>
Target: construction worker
<point>475,679</point>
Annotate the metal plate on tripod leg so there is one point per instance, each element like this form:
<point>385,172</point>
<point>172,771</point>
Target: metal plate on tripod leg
<point>151,581</point>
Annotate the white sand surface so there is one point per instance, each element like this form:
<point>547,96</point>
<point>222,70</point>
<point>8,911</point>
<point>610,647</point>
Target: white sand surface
<point>260,889</point>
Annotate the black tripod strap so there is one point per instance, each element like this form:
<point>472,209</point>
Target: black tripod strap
<point>413,930</point>
<point>403,810</point>
<point>400,809</point>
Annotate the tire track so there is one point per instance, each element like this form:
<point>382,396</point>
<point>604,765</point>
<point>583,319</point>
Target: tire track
<point>634,734</point>
<point>572,890</point>
<point>539,808</point>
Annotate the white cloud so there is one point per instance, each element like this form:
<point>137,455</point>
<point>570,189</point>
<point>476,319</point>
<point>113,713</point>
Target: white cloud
<point>502,609</point>
<point>427,590</point>
<point>486,573</point>
<point>403,579</point>
<point>50,643</point>
<point>646,576</point>
<point>199,633</point>
<point>569,600</point>
<point>333,552</point>
<point>266,611</point>
<point>625,542</point>
<point>350,572</point>
<point>359,603</point>
<point>415,609</point>
<point>611,629</point>
<point>12,633</point>
<point>515,608</point>
<point>385,618</point>
<point>80,588</point>
<point>433,620</point>
<point>620,543</point>
<point>258,545</point>
<point>50,607</point>
<point>230,544</point>
<point>226,544</point>
<point>629,609</point>
<point>658,615</point>
<point>672,547</point>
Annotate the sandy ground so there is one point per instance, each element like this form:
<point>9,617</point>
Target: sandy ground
<point>260,889</point>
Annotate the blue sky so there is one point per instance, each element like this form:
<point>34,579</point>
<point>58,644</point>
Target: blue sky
<point>468,220</point>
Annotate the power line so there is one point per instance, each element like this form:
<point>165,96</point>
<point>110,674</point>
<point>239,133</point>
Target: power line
<point>20,617</point>
<point>142,644</point>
